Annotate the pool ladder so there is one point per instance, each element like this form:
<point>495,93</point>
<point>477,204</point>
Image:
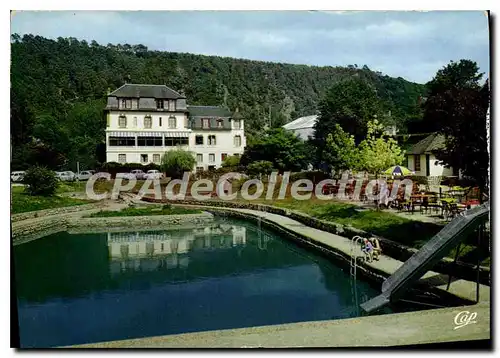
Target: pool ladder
<point>355,243</point>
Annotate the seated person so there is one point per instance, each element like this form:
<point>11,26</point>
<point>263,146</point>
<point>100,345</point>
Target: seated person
<point>368,249</point>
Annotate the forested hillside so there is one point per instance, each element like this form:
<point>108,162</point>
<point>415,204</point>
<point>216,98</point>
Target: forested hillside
<point>58,90</point>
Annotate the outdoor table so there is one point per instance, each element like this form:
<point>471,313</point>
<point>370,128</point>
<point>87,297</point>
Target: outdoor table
<point>419,199</point>
<point>422,196</point>
<point>449,200</point>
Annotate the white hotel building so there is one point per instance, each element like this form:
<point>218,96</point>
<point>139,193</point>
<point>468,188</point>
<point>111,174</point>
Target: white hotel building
<point>145,121</point>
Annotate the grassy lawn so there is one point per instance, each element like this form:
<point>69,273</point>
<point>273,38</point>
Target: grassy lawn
<point>393,227</point>
<point>157,210</point>
<point>22,202</point>
<point>67,187</point>
<point>409,232</point>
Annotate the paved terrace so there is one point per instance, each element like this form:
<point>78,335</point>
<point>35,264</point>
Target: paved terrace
<point>429,326</point>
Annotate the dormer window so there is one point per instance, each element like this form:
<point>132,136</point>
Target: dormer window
<point>220,123</point>
<point>159,104</point>
<point>205,123</point>
<point>126,103</point>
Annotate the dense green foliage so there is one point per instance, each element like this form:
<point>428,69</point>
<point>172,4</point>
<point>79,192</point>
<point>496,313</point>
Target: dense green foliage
<point>260,167</point>
<point>175,162</point>
<point>58,90</point>
<point>341,152</point>
<point>349,104</point>
<point>231,161</point>
<point>40,181</point>
<point>378,152</point>
<point>282,148</point>
<point>457,107</point>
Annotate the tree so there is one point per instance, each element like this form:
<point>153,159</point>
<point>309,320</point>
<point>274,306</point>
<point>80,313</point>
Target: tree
<point>231,161</point>
<point>21,120</point>
<point>350,104</point>
<point>175,162</point>
<point>284,148</point>
<point>341,152</point>
<point>378,151</point>
<point>67,79</point>
<point>459,106</point>
<point>260,167</point>
<point>40,181</point>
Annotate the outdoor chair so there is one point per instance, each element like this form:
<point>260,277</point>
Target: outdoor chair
<point>434,204</point>
<point>453,210</point>
<point>450,210</point>
<point>403,204</point>
<point>424,205</point>
<point>362,194</point>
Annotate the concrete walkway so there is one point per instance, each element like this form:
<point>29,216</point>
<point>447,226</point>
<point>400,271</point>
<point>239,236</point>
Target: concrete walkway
<point>430,326</point>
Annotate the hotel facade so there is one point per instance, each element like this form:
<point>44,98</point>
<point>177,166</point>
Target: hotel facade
<point>145,121</point>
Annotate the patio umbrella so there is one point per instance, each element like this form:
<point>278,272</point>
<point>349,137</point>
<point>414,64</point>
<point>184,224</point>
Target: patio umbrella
<point>398,170</point>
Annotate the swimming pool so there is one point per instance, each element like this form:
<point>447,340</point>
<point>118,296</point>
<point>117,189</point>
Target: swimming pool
<point>85,288</point>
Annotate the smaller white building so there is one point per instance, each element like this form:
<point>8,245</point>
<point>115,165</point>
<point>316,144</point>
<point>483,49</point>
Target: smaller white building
<point>303,126</point>
<point>422,160</point>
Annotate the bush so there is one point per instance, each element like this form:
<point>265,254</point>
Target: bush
<point>231,161</point>
<point>314,176</point>
<point>175,162</point>
<point>40,181</point>
<point>260,167</point>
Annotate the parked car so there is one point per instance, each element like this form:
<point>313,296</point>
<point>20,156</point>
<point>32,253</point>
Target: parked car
<point>125,176</point>
<point>153,174</point>
<point>139,174</point>
<point>66,176</point>
<point>85,174</point>
<point>100,175</point>
<point>17,177</point>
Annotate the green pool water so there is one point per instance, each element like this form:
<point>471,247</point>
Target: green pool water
<point>75,289</point>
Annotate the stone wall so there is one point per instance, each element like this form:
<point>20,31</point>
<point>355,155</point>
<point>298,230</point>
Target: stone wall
<point>149,221</point>
<point>389,247</point>
<point>55,211</point>
<point>27,231</point>
<point>24,231</point>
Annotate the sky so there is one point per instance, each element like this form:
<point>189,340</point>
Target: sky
<point>412,45</point>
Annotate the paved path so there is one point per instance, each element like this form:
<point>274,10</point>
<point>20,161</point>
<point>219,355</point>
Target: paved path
<point>430,326</point>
